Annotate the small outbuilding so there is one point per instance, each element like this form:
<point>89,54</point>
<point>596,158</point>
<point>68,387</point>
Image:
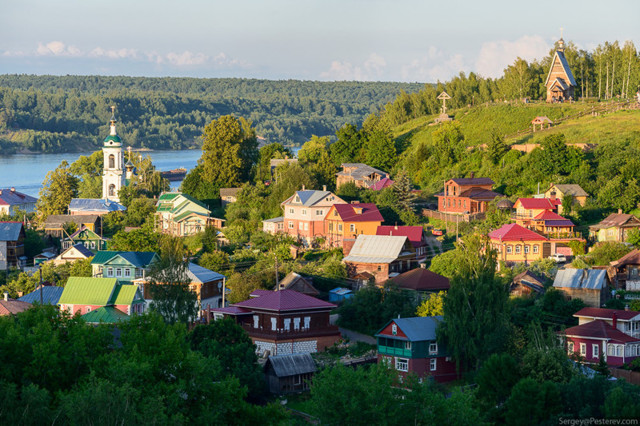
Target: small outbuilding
<point>289,373</point>
<point>340,294</point>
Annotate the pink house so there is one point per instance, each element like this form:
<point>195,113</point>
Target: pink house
<point>83,295</point>
<point>596,338</point>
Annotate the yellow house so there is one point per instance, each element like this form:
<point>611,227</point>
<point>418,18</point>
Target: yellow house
<point>515,243</point>
<point>560,191</point>
<point>350,220</point>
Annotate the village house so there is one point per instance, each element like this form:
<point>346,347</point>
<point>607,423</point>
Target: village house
<point>289,373</point>
<point>12,237</point>
<point>228,195</point>
<point>624,273</point>
<point>181,215</point>
<point>126,266</point>
<point>105,315</point>
<point>526,284</point>
<point>297,282</point>
<point>560,82</point>
<point>360,174</point>
<point>589,285</point>
<point>560,191</point>
<point>350,220</point>
<point>382,184</point>
<point>305,213</point>
<point>614,227</point>
<point>625,320</point>
<point>55,225</point>
<point>597,338</point>
<point>422,282</point>
<point>526,209</point>
<point>409,345</point>
<point>284,322</point>
<point>383,256</point>
<point>47,295</point>
<point>10,306</point>
<point>273,226</point>
<point>11,201</point>
<point>73,253</point>
<point>515,243</point>
<point>87,238</point>
<point>466,195</point>
<point>94,206</point>
<point>83,295</point>
<point>550,224</point>
<point>416,235</point>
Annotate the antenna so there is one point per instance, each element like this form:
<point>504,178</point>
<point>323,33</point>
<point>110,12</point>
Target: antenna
<point>561,30</point>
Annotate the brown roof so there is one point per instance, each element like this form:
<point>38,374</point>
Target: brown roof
<point>298,283</point>
<point>12,307</point>
<point>58,220</point>
<point>229,192</point>
<point>617,220</point>
<point>421,279</point>
<point>473,181</point>
<point>631,258</point>
<point>529,276</point>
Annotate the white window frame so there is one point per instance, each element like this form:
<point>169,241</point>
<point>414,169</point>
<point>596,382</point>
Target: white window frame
<point>109,272</point>
<point>292,211</point>
<point>583,349</point>
<point>570,348</point>
<point>118,272</point>
<point>307,323</point>
<point>88,309</point>
<point>526,249</point>
<point>509,249</point>
<point>256,319</point>
<point>319,212</point>
<point>274,324</point>
<point>306,226</point>
<point>595,350</point>
<point>433,348</point>
<point>304,212</point>
<point>433,364</point>
<point>518,248</point>
<point>287,324</point>
<point>407,345</point>
<point>402,364</point>
<point>535,249</point>
<point>291,225</point>
<point>296,323</point>
<point>339,227</point>
<point>127,273</point>
<point>352,227</point>
<point>394,329</point>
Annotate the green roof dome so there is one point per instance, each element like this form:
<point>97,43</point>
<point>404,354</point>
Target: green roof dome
<point>112,140</point>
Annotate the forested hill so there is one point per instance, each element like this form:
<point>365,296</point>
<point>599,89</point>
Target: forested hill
<point>67,113</point>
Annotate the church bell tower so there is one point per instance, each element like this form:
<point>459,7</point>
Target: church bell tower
<point>113,178</point>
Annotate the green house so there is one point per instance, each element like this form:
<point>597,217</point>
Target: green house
<point>180,215</point>
<point>86,294</point>
<point>126,266</point>
<point>87,238</point>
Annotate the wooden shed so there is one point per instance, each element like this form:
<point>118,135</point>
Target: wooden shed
<point>289,373</point>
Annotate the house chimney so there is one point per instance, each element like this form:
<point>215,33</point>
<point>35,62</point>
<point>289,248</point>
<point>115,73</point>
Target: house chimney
<point>324,187</point>
<point>626,307</point>
<point>396,226</point>
<point>471,175</point>
<point>6,296</point>
<point>303,187</point>
<point>614,317</point>
<point>619,211</point>
<point>20,294</point>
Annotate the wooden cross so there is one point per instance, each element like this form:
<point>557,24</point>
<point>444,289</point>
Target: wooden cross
<point>444,96</point>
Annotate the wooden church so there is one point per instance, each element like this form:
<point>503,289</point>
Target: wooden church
<point>560,82</point>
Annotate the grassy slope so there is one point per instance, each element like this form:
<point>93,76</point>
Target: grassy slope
<point>479,122</point>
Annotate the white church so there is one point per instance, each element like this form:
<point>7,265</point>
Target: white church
<point>113,177</point>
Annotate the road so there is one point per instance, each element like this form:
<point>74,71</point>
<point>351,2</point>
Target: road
<point>353,336</point>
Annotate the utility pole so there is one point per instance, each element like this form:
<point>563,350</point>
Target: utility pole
<point>41,298</point>
<point>224,290</point>
<point>277,280</point>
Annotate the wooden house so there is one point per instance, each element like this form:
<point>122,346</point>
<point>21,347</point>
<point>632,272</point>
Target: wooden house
<point>422,282</point>
<point>625,272</point>
<point>297,282</point>
<point>12,201</point>
<point>614,227</point>
<point>625,320</point>
<point>528,208</point>
<point>384,256</point>
<point>289,373</point>
<point>590,285</point>
<point>560,82</point>
<point>181,215</point>
<point>409,345</point>
<point>229,195</point>
<point>595,338</point>
<point>466,195</point>
<point>362,175</point>
<point>560,191</point>
<point>285,322</point>
<point>83,295</point>
<point>12,237</point>
<point>126,266</point>
<point>87,238</point>
<point>73,253</point>
<point>10,306</point>
<point>350,220</point>
<point>515,243</point>
<point>55,224</point>
<point>273,226</point>
<point>526,284</point>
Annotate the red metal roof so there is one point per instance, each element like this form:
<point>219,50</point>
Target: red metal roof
<point>413,233</point>
<point>536,203</point>
<point>606,313</point>
<point>421,279</point>
<point>347,212</point>
<point>284,300</point>
<point>515,232</point>
<point>381,184</point>
<point>600,329</point>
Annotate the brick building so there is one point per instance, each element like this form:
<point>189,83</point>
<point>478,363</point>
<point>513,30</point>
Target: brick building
<point>383,256</point>
<point>466,195</point>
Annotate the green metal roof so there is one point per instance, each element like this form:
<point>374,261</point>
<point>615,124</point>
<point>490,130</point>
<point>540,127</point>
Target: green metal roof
<point>139,259</point>
<point>169,196</point>
<point>105,314</point>
<point>112,138</point>
<point>87,291</point>
<point>124,294</point>
<point>188,213</point>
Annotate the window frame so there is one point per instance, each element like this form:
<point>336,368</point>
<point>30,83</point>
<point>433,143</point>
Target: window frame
<point>433,364</point>
<point>402,364</point>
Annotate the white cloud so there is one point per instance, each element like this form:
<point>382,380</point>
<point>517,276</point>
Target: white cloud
<point>434,66</point>
<point>371,69</point>
<point>57,48</point>
<point>186,58</point>
<point>123,53</point>
<point>495,56</point>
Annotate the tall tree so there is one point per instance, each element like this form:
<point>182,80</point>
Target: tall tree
<point>58,188</point>
<point>347,148</point>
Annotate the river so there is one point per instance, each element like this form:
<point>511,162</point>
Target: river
<point>26,172</point>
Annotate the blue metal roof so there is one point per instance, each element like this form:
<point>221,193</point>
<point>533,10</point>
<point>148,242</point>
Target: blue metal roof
<point>10,231</point>
<point>50,295</point>
<point>416,328</point>
<point>95,204</point>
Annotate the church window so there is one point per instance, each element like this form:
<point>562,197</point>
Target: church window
<point>112,190</point>
<point>112,161</point>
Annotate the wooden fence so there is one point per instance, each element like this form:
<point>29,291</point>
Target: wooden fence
<point>632,377</point>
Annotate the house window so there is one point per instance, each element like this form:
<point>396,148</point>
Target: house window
<point>407,345</point>
<point>304,212</point>
<point>402,364</point>
<point>379,268</point>
<point>93,244</point>
<point>287,324</point>
<point>118,272</point>
<point>138,273</point>
<point>610,232</point>
<point>306,226</point>
<point>255,321</point>
<point>394,329</point>
<point>88,309</point>
<point>300,225</point>
<point>330,226</point>
<point>296,323</point>
<point>518,249</point>
<point>127,272</point>
<point>526,249</point>
<point>444,204</point>
<point>433,364</point>
<point>290,225</point>
<point>618,350</point>
<point>433,348</point>
<point>307,322</point>
<point>319,212</point>
<point>273,323</point>
<point>352,227</point>
<point>109,272</point>
<point>291,211</point>
<point>509,249</point>
<point>583,349</point>
<point>595,351</point>
<point>611,350</point>
<point>535,249</point>
<point>340,227</point>
<point>570,348</point>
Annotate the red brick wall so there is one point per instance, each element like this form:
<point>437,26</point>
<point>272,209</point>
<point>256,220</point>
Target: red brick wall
<point>445,370</point>
<point>381,276</point>
<point>347,245</point>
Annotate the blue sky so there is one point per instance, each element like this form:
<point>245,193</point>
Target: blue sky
<point>402,40</point>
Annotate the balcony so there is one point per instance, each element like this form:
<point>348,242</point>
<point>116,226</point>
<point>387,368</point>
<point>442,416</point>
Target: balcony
<point>390,350</point>
<point>282,334</point>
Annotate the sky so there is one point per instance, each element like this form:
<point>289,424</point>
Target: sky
<point>365,40</point>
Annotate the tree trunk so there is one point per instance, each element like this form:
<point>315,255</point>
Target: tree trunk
<point>606,90</point>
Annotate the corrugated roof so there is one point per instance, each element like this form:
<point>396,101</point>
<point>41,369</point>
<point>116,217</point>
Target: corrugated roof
<point>275,219</point>
<point>312,197</point>
<point>348,212</point>
<point>473,181</point>
<point>631,258</point>
<point>58,220</point>
<point>601,330</point>
<point>140,259</point>
<point>95,204</point>
<point>421,279</point>
<point>479,194</point>
<point>88,291</point>
<point>589,279</point>
<point>515,232</point>
<point>10,231</point>
<point>291,365</point>
<point>199,274</point>
<point>617,220</point>
<point>376,249</point>
<point>125,294</point>
<point>15,198</point>
<point>416,328</point>
<point>362,170</point>
<point>50,295</point>
<point>382,184</point>
<point>106,315</point>
<point>413,233</point>
<point>535,203</point>
<point>571,189</point>
<point>602,313</point>
<point>12,307</point>
<point>285,300</point>
<point>81,248</point>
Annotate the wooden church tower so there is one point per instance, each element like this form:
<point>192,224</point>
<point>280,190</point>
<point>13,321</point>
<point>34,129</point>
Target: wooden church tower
<point>560,82</point>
